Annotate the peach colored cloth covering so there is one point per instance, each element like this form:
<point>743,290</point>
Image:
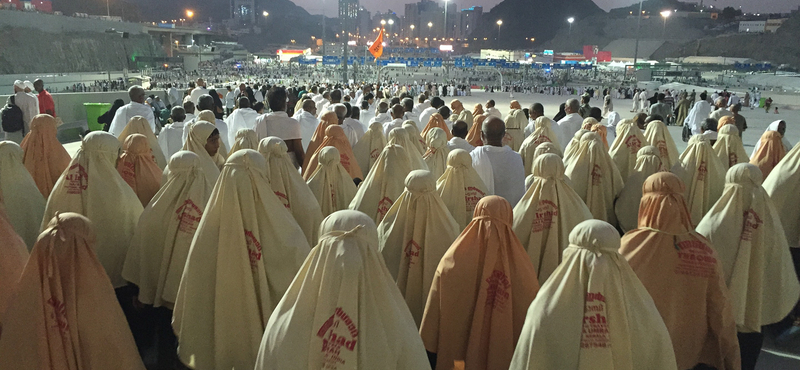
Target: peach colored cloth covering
<point>378,192</point>
<point>138,168</point>
<point>658,136</point>
<point>703,175</point>
<point>783,185</point>
<point>480,293</point>
<point>595,178</point>
<point>436,120</point>
<point>65,315</point>
<point>331,184</point>
<point>461,187</point>
<point>547,213</point>
<point>593,313</point>
<point>628,142</point>
<point>601,131</point>
<point>727,120</point>
<point>245,139</point>
<point>746,233</point>
<point>13,256</point>
<point>23,202</point>
<point>290,188</point>
<point>369,147</point>
<point>335,137</point>
<point>92,187</point>
<point>436,155</point>
<point>626,207</point>
<point>729,147</point>
<point>45,157</point>
<point>474,134</point>
<point>414,236</point>
<point>400,136</point>
<point>325,120</point>
<point>769,153</point>
<point>542,133</point>
<point>683,275</point>
<point>343,310</point>
<point>161,242</point>
<point>413,134</point>
<point>245,253</point>
<point>140,125</point>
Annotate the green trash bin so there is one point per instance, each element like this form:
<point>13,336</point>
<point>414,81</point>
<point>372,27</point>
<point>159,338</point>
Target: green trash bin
<point>93,112</point>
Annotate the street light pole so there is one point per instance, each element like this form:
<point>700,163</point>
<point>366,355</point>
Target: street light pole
<point>638,28</point>
<point>445,19</point>
<point>324,38</point>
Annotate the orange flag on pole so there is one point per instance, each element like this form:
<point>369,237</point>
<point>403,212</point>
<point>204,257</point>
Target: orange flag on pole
<point>377,47</point>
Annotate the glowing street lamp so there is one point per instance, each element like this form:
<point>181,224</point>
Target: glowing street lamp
<point>383,22</point>
<point>499,24</point>
<point>570,20</point>
<point>665,14</point>
<point>265,13</point>
<point>189,14</point>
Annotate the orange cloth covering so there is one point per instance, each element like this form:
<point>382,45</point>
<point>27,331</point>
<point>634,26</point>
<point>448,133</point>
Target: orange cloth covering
<point>729,147</point>
<point>595,178</point>
<point>783,185</point>
<point>769,153</point>
<point>290,188</point>
<point>628,142</point>
<point>648,162</point>
<point>245,139</point>
<point>161,242</point>
<point>13,256</point>
<point>369,147</point>
<point>703,175</point>
<point>461,187</point>
<point>436,155</point>
<point>681,272</point>
<point>138,168</point>
<point>335,137</point>
<point>474,134</point>
<point>325,120</point>
<point>572,147</point>
<point>331,184</point>
<point>588,123</point>
<point>413,134</point>
<point>400,136</point>
<point>480,293</point>
<point>45,157</point>
<point>749,239</point>
<point>547,213</point>
<point>92,187</point>
<point>23,202</point>
<point>140,125</point>
<point>378,192</point>
<point>65,315</point>
<point>593,313</point>
<point>601,131</point>
<point>658,136</point>
<point>343,310</point>
<point>245,253</point>
<point>727,120</point>
<point>542,133</point>
<point>436,120</point>
<point>414,236</point>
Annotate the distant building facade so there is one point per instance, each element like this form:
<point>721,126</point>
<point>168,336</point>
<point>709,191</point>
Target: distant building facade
<point>760,26</point>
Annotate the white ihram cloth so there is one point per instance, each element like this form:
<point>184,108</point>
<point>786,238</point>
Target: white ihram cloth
<point>591,313</point>
<point>648,162</point>
<point>331,184</point>
<point>459,143</point>
<point>567,127</point>
<point>290,188</point>
<point>92,187</point>
<point>343,310</point>
<point>542,133</point>
<point>701,171</point>
<point>658,136</point>
<point>353,129</point>
<point>401,137</point>
<point>436,155</point>
<point>744,229</point>
<point>547,213</point>
<point>772,127</point>
<point>494,112</point>
<point>308,124</point>
<point>23,202</point>
<point>240,119</point>
<point>729,147</point>
<point>369,147</point>
<point>426,114</point>
<point>414,236</point>
<point>699,112</point>
<point>230,285</point>
<point>379,190</point>
<point>128,111</point>
<point>460,187</point>
<point>388,126</point>
<point>170,139</point>
<point>625,147</point>
<point>595,178</point>
<point>783,185</point>
<point>502,171</point>
<point>164,234</point>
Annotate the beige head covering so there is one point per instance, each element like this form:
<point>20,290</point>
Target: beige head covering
<point>13,256</point>
<point>414,236</point>
<point>590,313</point>
<point>415,137</point>
<point>628,142</point>
<point>140,125</point>
<point>648,162</point>
<point>436,121</point>
<point>369,147</point>
<point>588,122</point>
<point>230,284</point>
<point>331,184</point>
<point>544,148</point>
<point>400,136</point>
<point>681,272</point>
<point>460,187</point>
<point>700,169</point>
<point>595,178</point>
<point>138,168</point>
<point>547,213</point>
<point>658,136</point>
<point>436,155</point>
<point>384,184</point>
<point>92,187</point>
<point>245,139</point>
<point>542,133</point>
<point>729,147</point>
<point>66,315</point>
<point>515,123</point>
<point>343,310</point>
<point>480,293</point>
<point>164,234</point>
<point>208,116</point>
<point>23,202</point>
<point>45,157</point>
<point>783,185</point>
<point>290,188</point>
<point>572,147</point>
<point>196,143</point>
<point>746,232</point>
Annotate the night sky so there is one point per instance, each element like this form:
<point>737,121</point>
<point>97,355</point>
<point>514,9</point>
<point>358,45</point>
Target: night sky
<point>763,6</point>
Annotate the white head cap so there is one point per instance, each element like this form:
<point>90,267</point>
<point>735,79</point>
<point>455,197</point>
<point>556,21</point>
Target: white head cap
<point>28,84</point>
<point>19,84</point>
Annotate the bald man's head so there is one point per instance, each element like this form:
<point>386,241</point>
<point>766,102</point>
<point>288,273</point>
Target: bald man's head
<point>397,111</point>
<point>572,106</point>
<point>310,107</point>
<point>460,129</point>
<point>493,131</point>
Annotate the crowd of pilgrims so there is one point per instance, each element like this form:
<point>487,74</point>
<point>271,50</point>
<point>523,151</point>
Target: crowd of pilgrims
<point>426,236</point>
